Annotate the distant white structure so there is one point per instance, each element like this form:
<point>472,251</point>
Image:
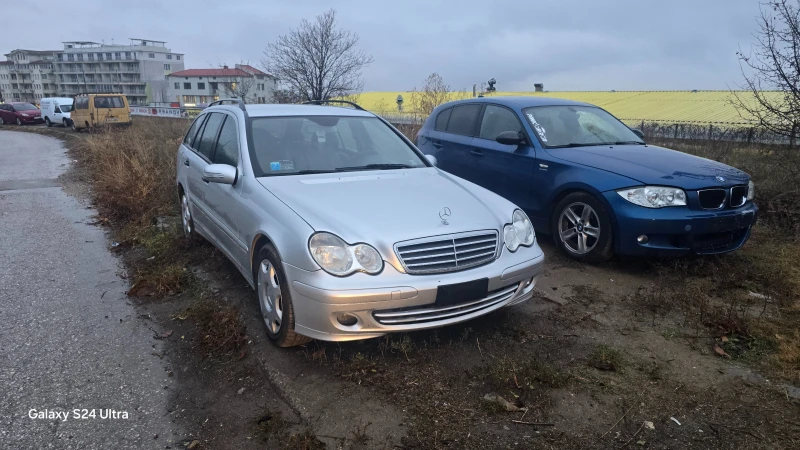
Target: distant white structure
<point>27,76</point>
<point>138,69</point>
<point>199,87</point>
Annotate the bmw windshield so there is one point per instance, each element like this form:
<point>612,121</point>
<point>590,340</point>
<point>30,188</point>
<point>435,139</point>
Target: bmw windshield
<point>578,126</point>
<point>296,145</point>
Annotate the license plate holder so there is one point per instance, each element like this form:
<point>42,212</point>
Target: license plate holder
<point>453,294</point>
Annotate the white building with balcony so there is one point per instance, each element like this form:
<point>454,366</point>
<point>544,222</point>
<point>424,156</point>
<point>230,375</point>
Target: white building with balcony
<point>27,76</point>
<point>199,87</point>
<point>139,69</point>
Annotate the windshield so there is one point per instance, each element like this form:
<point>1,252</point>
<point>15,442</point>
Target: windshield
<point>24,107</point>
<point>573,126</point>
<point>318,144</point>
<point>65,108</point>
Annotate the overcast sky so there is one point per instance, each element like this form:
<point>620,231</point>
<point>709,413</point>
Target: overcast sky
<point>566,44</point>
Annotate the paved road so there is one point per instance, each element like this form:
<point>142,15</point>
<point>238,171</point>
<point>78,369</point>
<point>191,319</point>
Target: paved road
<point>69,337</point>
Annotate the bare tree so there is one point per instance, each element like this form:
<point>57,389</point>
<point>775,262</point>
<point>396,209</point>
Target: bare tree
<point>434,92</point>
<point>318,60</point>
<point>773,64</point>
<point>233,83</point>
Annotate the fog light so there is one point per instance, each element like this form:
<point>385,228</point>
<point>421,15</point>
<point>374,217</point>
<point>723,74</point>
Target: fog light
<point>347,320</point>
<point>642,239</point>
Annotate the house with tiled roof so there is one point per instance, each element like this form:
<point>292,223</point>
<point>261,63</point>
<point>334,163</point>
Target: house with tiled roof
<point>199,87</point>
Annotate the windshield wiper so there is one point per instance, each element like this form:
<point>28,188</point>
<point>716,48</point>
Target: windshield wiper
<point>375,167</point>
<point>629,142</point>
<point>575,144</point>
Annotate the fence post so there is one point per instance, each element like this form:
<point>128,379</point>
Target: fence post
<point>676,131</point>
<point>750,134</point>
<point>794,133</point>
<point>710,131</point>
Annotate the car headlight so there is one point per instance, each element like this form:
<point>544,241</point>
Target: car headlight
<point>751,190</point>
<point>338,258</point>
<point>654,196</point>
<point>519,232</point>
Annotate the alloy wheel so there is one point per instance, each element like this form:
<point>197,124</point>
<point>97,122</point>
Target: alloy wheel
<point>269,296</point>
<point>186,216</point>
<point>579,228</point>
<point>19,122</point>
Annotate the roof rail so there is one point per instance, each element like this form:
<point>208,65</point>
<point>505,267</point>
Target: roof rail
<point>232,101</point>
<point>344,102</point>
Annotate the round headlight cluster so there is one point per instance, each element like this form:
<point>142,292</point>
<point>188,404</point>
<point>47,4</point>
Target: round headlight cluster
<point>519,232</point>
<point>338,258</point>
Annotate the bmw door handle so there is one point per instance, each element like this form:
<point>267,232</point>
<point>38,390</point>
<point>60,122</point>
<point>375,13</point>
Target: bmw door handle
<point>437,144</point>
<point>476,152</point>
<point>185,162</point>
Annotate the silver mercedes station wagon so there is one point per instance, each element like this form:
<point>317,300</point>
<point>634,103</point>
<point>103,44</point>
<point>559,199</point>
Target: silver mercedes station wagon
<point>344,229</point>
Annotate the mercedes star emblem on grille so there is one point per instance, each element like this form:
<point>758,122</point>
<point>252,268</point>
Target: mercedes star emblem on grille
<point>721,179</point>
<point>444,214</point>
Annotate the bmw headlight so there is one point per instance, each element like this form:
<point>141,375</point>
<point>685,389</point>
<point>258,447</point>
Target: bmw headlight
<point>338,258</point>
<point>654,196</point>
<point>751,190</point>
<point>519,232</point>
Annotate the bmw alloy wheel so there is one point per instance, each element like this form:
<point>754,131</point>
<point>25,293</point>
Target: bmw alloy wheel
<point>269,296</point>
<point>579,228</point>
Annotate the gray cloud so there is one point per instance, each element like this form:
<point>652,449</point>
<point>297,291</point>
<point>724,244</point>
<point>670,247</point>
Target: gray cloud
<point>568,45</point>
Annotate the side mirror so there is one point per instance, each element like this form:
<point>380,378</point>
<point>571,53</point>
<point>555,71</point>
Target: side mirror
<point>510,138</point>
<point>432,159</point>
<point>219,173</point>
<point>638,132</point>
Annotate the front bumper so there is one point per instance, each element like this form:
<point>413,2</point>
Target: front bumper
<point>679,230</point>
<point>394,301</point>
<point>31,119</point>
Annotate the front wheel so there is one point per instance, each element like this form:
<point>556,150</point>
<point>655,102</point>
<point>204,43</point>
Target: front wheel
<point>275,300</point>
<point>582,228</point>
<point>19,121</point>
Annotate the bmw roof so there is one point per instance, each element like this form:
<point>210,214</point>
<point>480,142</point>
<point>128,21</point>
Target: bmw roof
<point>521,101</point>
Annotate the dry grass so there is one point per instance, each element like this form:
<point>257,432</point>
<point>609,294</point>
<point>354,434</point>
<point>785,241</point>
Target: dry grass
<point>133,170</point>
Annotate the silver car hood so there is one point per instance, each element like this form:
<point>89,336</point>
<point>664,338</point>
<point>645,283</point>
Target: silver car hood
<point>385,207</point>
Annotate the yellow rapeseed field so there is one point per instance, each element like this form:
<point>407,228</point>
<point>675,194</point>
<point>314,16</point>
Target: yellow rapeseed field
<point>701,107</point>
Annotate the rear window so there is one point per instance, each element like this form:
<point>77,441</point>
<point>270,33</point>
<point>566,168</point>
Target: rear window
<point>109,102</point>
<point>463,119</point>
<point>441,120</point>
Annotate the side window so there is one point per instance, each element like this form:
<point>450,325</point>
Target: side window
<point>56,109</point>
<point>209,138</point>
<point>228,144</point>
<point>496,120</point>
<point>463,119</point>
<point>189,139</point>
<point>441,120</point>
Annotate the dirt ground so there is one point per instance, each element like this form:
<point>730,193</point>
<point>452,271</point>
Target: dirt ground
<point>598,359</point>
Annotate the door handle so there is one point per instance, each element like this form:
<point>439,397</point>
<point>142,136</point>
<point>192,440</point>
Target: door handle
<point>437,144</point>
<point>476,152</point>
<point>186,162</point>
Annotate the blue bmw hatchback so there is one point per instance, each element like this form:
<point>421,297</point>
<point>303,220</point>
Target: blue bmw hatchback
<point>589,180</point>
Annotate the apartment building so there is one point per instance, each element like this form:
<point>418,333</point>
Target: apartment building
<point>199,87</point>
<point>27,76</point>
<point>138,69</point>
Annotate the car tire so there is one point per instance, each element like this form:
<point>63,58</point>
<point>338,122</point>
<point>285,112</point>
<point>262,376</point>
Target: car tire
<point>187,222</point>
<point>2,122</point>
<point>47,122</point>
<point>65,122</point>
<point>582,229</point>
<point>275,299</point>
<point>19,121</point>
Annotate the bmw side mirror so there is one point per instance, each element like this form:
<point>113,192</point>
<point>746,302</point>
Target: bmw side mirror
<point>219,173</point>
<point>638,132</point>
<point>510,138</point>
<point>431,159</point>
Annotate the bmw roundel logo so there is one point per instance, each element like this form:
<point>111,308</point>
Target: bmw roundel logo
<point>720,179</point>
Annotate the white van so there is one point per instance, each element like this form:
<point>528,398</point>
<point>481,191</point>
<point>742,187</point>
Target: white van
<point>56,110</point>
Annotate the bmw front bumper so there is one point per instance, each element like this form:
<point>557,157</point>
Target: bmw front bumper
<point>395,301</point>
<point>677,231</point>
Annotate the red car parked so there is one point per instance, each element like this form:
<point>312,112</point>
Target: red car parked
<point>19,113</point>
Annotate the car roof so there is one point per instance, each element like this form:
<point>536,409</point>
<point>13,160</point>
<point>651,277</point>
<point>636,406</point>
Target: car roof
<point>522,101</point>
<point>272,110</point>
